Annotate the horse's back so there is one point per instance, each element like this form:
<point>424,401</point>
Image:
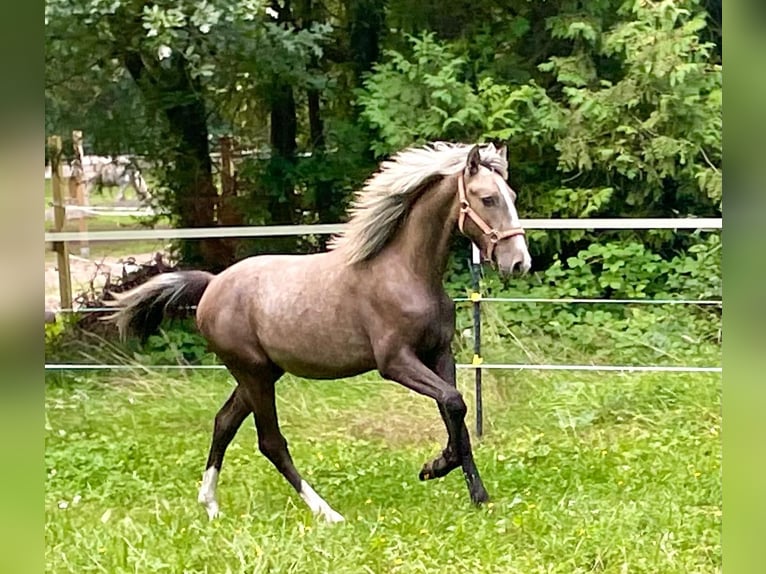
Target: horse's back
<point>296,310</point>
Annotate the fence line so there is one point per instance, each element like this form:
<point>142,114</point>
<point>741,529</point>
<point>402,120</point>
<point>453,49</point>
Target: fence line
<point>504,366</point>
<point>112,210</point>
<point>701,223</point>
<point>566,301</point>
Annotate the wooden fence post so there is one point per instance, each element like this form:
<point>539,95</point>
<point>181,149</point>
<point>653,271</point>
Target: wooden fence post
<point>79,187</point>
<point>227,214</point>
<point>59,218</point>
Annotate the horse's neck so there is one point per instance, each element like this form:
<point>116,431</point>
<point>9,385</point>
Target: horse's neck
<point>423,242</point>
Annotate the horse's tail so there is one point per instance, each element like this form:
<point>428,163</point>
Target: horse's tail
<point>141,310</point>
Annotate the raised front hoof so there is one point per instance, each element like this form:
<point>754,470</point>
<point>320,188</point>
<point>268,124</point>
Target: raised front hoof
<point>437,468</point>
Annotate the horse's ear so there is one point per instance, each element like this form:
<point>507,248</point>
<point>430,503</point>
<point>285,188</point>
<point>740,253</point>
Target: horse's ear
<point>474,160</point>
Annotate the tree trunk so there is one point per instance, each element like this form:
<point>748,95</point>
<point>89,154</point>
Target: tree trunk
<point>283,146</point>
<point>195,195</point>
<point>283,135</point>
<point>323,190</point>
<point>366,25</point>
<point>171,91</point>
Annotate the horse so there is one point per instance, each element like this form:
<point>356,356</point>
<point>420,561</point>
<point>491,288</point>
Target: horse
<point>119,172</point>
<point>374,300</point>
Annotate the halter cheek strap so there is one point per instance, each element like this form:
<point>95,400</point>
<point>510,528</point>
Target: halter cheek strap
<point>467,211</point>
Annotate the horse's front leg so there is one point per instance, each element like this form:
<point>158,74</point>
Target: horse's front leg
<point>449,460</point>
<point>121,196</point>
<point>405,368</point>
<point>453,455</point>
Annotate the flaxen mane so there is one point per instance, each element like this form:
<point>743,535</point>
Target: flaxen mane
<point>378,209</point>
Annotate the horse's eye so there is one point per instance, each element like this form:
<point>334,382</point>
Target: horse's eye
<point>488,201</point>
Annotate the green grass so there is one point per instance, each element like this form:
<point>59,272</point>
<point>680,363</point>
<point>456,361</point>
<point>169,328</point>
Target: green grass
<point>105,199</point>
<point>588,473</point>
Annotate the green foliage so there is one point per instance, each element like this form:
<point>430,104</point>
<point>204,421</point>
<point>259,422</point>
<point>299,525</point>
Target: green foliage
<point>622,118</point>
<point>605,333</point>
<point>177,346</point>
<point>661,120</point>
<point>256,59</point>
<point>53,335</point>
<point>418,99</point>
<point>651,131</point>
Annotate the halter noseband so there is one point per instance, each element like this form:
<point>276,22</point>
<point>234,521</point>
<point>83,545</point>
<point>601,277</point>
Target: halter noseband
<point>466,210</point>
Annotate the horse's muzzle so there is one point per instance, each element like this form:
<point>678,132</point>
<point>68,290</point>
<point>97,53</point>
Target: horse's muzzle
<point>511,256</point>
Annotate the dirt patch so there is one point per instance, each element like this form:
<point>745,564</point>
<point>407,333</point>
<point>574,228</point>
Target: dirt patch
<point>400,430</point>
<point>408,419</point>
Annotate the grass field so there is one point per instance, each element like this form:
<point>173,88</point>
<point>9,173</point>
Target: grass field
<point>588,473</point>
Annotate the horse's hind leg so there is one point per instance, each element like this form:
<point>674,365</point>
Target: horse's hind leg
<point>227,423</point>
<point>258,385</point>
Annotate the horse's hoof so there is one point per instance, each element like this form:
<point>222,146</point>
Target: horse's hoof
<point>431,470</point>
<point>332,517</point>
<point>437,468</point>
<point>212,510</point>
<point>210,504</point>
<point>479,496</point>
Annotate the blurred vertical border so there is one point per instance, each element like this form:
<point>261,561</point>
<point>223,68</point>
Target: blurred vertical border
<point>22,50</point>
<point>744,323</point>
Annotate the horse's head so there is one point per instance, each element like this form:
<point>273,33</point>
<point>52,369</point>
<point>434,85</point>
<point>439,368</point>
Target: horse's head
<point>488,216</point>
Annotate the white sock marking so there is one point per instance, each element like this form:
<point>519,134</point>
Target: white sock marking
<point>207,492</point>
<point>317,504</point>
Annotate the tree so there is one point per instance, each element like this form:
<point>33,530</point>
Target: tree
<point>176,54</point>
<point>609,107</point>
<point>621,117</point>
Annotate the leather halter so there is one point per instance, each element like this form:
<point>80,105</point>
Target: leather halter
<point>466,210</point>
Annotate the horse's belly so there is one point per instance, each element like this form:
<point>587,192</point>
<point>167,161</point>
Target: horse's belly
<point>328,354</point>
<point>321,370</point>
<point>321,362</point>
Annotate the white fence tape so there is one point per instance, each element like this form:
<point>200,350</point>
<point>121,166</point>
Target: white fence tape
<point>329,228</point>
<point>509,366</point>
